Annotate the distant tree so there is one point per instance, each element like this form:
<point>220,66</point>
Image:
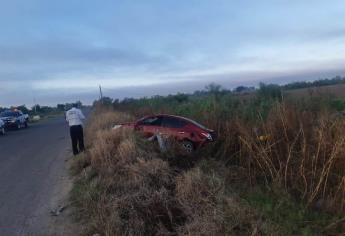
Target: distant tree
<point>106,101</point>
<point>268,91</point>
<point>116,103</point>
<point>200,93</point>
<point>79,103</point>
<point>240,89</point>
<point>60,107</point>
<point>213,88</point>
<point>244,89</point>
<point>23,108</point>
<point>128,100</point>
<point>36,108</point>
<point>46,109</point>
<point>316,83</point>
<point>181,97</point>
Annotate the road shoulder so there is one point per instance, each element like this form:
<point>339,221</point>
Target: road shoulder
<point>54,216</point>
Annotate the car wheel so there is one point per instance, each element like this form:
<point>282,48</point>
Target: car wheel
<point>187,146</point>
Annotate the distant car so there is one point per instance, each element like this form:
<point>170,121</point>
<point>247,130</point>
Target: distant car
<point>14,119</point>
<point>191,134</point>
<point>2,127</point>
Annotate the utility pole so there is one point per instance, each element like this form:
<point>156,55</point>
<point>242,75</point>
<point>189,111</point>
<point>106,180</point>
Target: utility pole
<point>34,100</point>
<point>100,93</point>
<point>35,105</point>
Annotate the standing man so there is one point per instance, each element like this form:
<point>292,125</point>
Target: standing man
<point>75,119</point>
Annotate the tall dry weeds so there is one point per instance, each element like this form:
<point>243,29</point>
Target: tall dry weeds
<point>130,190</point>
<point>303,152</point>
<point>101,119</point>
<point>130,194</point>
<point>210,211</point>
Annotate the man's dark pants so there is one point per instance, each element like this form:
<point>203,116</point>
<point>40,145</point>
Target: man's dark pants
<point>77,136</point>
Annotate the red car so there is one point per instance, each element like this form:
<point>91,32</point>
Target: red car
<point>191,134</point>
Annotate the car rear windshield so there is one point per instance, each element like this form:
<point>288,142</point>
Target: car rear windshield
<point>196,123</point>
<point>172,122</point>
<point>9,113</point>
<point>155,121</point>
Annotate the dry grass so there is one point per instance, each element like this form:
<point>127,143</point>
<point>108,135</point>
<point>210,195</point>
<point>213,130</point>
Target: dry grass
<point>101,119</point>
<point>133,189</point>
<point>211,211</point>
<point>302,152</point>
<point>130,190</point>
<point>323,91</point>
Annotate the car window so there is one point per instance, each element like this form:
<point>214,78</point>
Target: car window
<point>155,121</point>
<point>172,122</point>
<point>196,123</point>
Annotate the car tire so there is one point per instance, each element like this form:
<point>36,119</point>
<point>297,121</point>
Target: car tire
<point>188,146</point>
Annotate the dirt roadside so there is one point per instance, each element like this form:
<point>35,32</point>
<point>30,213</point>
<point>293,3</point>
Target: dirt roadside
<point>55,217</point>
<point>61,220</point>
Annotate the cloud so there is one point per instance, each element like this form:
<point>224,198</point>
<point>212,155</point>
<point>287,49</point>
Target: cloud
<point>53,65</point>
<point>64,49</point>
<point>71,55</point>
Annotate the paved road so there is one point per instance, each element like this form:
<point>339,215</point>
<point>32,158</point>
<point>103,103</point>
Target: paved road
<point>32,170</point>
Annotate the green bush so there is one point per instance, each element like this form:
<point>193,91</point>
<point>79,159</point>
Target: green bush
<point>338,105</point>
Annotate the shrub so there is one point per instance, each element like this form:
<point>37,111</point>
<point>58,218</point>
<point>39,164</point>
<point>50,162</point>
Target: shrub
<point>210,211</point>
<point>130,194</point>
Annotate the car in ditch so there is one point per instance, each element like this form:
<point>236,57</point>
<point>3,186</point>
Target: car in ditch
<point>2,127</point>
<point>14,119</point>
<point>189,133</point>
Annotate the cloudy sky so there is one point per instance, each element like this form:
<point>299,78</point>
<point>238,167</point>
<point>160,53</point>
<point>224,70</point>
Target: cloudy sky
<point>60,51</point>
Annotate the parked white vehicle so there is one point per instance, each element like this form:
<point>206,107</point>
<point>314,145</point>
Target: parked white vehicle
<point>36,118</point>
<point>2,127</point>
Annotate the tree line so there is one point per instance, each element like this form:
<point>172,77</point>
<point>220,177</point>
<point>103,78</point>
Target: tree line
<point>42,110</point>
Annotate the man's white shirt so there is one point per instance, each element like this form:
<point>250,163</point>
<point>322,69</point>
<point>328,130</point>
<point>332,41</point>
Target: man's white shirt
<point>74,116</point>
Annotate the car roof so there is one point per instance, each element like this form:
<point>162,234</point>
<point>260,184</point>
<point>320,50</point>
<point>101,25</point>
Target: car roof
<point>9,112</point>
<point>178,117</point>
<point>173,116</point>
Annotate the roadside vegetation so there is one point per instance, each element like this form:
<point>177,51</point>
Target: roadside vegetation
<point>277,167</point>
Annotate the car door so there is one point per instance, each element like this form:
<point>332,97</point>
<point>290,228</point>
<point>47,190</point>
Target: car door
<point>150,126</point>
<point>174,127</point>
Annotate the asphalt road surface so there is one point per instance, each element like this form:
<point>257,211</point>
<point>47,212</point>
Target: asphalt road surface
<point>33,176</point>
